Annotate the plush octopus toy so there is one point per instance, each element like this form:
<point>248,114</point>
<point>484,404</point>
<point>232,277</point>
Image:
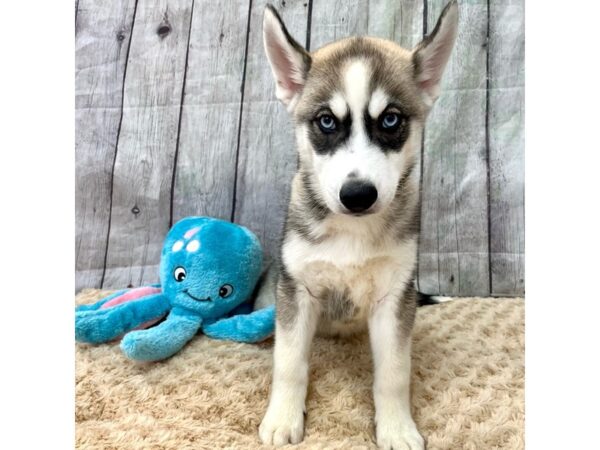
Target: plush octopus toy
<point>208,271</point>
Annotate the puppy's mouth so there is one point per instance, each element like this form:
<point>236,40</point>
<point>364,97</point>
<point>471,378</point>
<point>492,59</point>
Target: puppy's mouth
<point>207,299</point>
<point>359,213</point>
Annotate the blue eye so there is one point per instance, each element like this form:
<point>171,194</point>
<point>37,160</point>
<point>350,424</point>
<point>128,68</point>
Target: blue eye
<point>390,121</point>
<point>327,123</point>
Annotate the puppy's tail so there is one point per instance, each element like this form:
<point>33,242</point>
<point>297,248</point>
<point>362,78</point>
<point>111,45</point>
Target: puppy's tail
<point>426,299</point>
<point>265,291</point>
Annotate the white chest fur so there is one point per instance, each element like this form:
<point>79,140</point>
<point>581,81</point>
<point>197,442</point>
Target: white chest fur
<point>358,260</point>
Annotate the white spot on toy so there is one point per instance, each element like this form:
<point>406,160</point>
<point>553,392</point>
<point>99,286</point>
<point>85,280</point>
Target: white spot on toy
<point>193,246</point>
<point>177,246</point>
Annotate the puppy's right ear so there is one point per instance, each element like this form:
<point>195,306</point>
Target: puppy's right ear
<point>289,61</point>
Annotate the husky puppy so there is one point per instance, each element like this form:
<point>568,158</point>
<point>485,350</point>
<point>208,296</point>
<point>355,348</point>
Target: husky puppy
<point>350,242</point>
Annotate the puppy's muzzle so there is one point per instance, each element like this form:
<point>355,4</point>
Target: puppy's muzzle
<point>358,195</point>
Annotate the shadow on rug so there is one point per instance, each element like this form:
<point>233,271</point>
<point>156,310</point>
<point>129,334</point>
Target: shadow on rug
<point>467,388</point>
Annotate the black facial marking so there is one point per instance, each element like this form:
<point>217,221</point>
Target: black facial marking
<point>325,141</point>
<point>388,139</point>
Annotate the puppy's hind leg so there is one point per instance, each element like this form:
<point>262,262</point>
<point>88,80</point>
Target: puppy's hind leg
<point>297,316</point>
<point>390,333</point>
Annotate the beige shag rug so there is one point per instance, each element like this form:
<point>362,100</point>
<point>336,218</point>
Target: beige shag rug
<point>467,388</point>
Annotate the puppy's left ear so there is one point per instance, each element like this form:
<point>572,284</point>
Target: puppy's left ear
<point>289,61</point>
<point>431,55</point>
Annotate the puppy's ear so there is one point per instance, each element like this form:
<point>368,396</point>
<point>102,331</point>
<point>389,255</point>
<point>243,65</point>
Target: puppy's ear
<point>432,54</point>
<point>289,61</point>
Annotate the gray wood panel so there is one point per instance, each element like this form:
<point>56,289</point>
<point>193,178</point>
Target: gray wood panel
<point>141,202</point>
<point>332,20</point>
<point>267,157</point>
<point>162,119</point>
<point>506,146</point>
<point>453,250</point>
<point>101,42</point>
<point>398,21</point>
<point>205,171</point>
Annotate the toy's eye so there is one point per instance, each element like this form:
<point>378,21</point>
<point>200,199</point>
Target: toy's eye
<point>326,123</point>
<point>390,121</point>
<point>225,291</point>
<point>179,274</point>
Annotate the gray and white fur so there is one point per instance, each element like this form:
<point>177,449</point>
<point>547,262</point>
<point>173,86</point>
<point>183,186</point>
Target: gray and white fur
<point>349,250</point>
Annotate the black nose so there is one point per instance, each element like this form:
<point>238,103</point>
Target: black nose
<point>358,196</point>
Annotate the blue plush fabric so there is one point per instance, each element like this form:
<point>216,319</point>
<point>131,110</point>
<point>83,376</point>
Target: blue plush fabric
<point>244,328</point>
<point>208,271</point>
<point>103,325</point>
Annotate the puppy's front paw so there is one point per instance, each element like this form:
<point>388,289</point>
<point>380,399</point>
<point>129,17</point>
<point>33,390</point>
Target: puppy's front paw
<point>282,425</point>
<point>394,436</point>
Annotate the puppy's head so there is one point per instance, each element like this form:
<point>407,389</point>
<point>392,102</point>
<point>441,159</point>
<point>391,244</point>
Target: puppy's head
<point>359,105</point>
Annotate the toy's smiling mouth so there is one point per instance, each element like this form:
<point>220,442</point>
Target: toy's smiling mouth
<point>196,298</point>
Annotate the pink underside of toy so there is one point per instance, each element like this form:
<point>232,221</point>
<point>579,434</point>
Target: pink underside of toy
<point>141,327</point>
<point>149,323</point>
<point>133,294</point>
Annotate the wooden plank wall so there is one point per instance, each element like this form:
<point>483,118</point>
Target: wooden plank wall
<point>454,238</point>
<point>176,116</point>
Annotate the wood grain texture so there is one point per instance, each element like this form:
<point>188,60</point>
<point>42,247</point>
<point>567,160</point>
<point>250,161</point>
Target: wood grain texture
<point>453,250</point>
<point>401,22</point>
<point>141,201</point>
<point>205,172</point>
<point>102,38</point>
<point>171,109</point>
<point>267,156</point>
<point>333,20</point>
<point>506,146</point>
<point>398,21</point>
